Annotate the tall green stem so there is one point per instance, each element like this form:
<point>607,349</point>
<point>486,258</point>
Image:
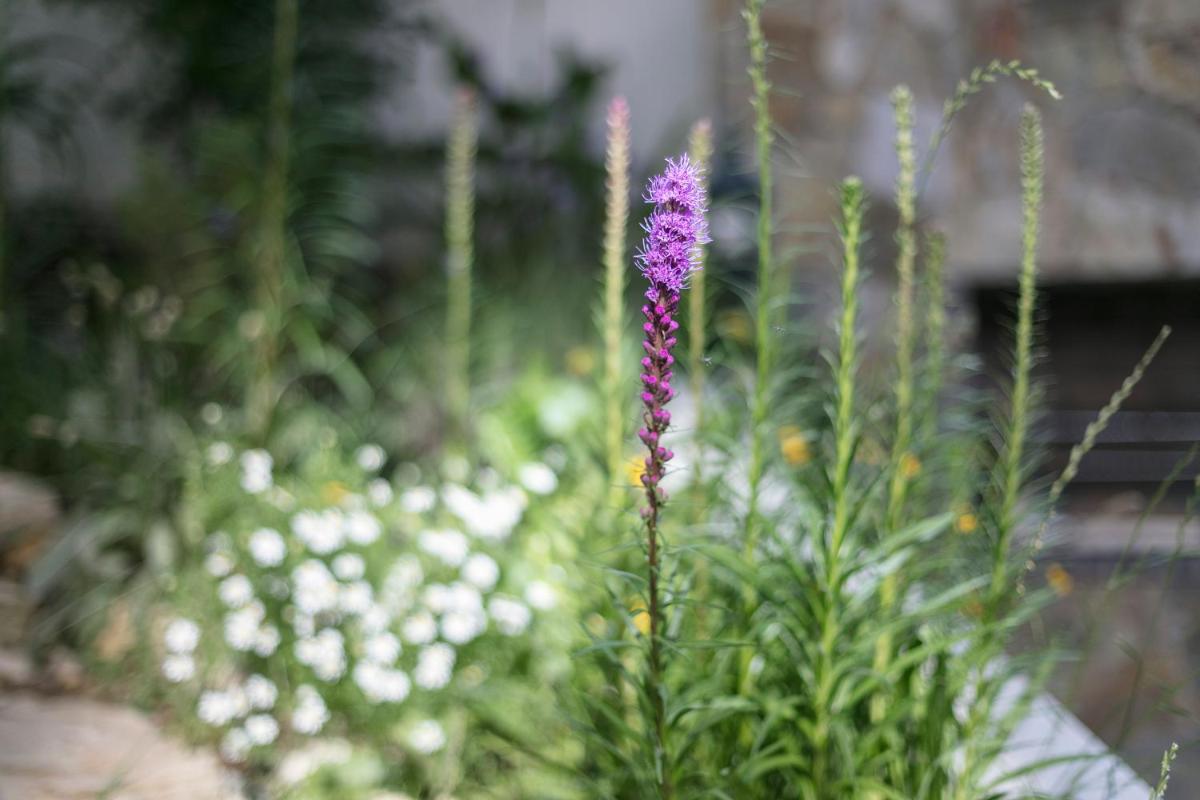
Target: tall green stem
<point>1012,463</point>
<point>903,462</point>
<point>460,231</point>
<point>615,226</point>
<point>852,208</point>
<point>700,151</point>
<point>935,332</point>
<point>272,261</point>
<point>764,137</point>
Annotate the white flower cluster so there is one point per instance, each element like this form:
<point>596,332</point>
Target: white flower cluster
<point>491,516</point>
<point>245,625</point>
<point>257,466</point>
<point>180,639</point>
<point>248,704</point>
<point>327,531</point>
<point>317,581</point>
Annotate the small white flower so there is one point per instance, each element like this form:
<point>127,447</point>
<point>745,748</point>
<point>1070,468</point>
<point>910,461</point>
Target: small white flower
<point>267,547</point>
<point>436,597</point>
<point>481,570</point>
<point>211,413</point>
<point>427,737</point>
<point>418,500</point>
<point>402,580</point>
<point>325,653</point>
<point>319,531</point>
<point>178,667</point>
<point>370,457</point>
<point>362,527</point>
<point>256,471</point>
<point>242,626</point>
<point>260,692</point>
<point>512,616</point>
<point>261,729</point>
<point>464,598</point>
<point>235,745</point>
<point>375,619</point>
<point>382,648</point>
<point>314,589</point>
<point>349,566</point>
<point>537,477</point>
<point>303,624</point>
<point>379,492</point>
<point>541,595</point>
<point>435,666</point>
<point>236,591</point>
<point>460,627</point>
<point>380,684</point>
<point>356,598</point>
<point>181,635</point>
<point>241,703</point>
<point>218,564</point>
<point>219,454</point>
<point>310,713</point>
<point>266,641</point>
<point>448,546</point>
<point>216,708</point>
<point>297,765</point>
<point>420,628</point>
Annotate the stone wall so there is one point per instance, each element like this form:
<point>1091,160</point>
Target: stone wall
<point>1122,146</point>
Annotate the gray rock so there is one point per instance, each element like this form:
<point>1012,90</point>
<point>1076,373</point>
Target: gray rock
<point>63,748</point>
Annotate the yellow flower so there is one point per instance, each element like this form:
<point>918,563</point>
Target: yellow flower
<point>334,492</point>
<point>581,361</point>
<point>641,617</point>
<point>1060,580</point>
<point>794,445</point>
<point>635,468</point>
<point>910,466</point>
<point>966,521</point>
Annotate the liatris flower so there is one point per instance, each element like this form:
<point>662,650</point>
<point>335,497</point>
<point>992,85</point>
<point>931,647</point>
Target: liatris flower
<point>670,252</point>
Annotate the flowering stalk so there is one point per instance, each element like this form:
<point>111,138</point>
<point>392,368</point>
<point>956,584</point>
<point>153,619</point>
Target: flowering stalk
<point>906,242</point>
<point>617,217</point>
<point>700,151</point>
<point>1011,465</point>
<point>765,293</point>
<point>670,252</point>
<point>935,328</point>
<point>1012,460</point>
<point>460,211</point>
<point>271,263</point>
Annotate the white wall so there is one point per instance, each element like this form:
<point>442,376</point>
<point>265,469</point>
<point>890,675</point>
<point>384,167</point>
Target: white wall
<point>661,53</point>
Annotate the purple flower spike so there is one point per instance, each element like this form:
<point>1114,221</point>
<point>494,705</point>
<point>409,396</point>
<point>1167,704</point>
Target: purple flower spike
<point>675,231</point>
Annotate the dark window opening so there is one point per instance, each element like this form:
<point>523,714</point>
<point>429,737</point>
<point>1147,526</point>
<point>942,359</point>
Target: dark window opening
<point>1090,338</point>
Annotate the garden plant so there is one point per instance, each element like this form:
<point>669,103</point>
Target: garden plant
<point>402,553</point>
